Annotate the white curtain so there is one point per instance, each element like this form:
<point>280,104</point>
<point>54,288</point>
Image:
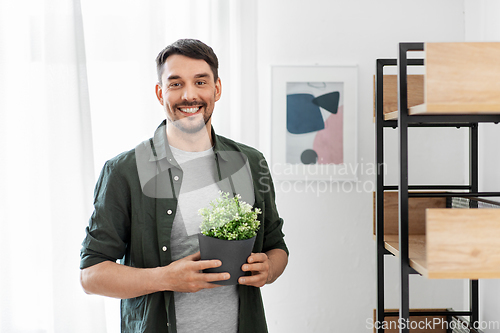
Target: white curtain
<point>122,40</point>
<point>46,170</point>
<point>77,88</point>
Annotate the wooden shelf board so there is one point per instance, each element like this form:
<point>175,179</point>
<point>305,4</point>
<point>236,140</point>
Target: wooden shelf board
<point>463,243</point>
<point>390,94</point>
<point>416,212</point>
<point>457,109</point>
<point>460,78</point>
<point>418,109</point>
<point>425,109</point>
<point>416,248</point>
<point>392,326</point>
<point>459,244</point>
<point>391,115</point>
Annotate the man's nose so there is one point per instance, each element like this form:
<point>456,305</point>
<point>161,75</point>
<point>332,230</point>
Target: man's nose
<point>189,93</point>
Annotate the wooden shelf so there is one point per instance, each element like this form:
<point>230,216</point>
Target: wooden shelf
<point>415,94</point>
<point>460,87</point>
<point>420,321</point>
<point>416,215</point>
<point>391,115</point>
<point>416,227</point>
<point>446,243</point>
<point>459,244</point>
<point>460,78</point>
<point>424,109</point>
<point>416,248</point>
<point>463,243</point>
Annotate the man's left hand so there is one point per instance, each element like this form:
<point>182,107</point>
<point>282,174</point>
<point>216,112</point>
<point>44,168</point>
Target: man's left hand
<point>259,265</point>
<point>265,267</point>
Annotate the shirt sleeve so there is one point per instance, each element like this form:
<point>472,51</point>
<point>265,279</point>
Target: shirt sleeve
<point>274,238</point>
<point>108,231</point>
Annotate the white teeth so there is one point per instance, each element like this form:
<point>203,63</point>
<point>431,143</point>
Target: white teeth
<point>189,110</point>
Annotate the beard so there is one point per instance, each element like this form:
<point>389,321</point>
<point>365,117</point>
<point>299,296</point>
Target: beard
<point>196,123</point>
<point>191,124</point>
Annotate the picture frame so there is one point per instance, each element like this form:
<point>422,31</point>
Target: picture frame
<point>314,123</point>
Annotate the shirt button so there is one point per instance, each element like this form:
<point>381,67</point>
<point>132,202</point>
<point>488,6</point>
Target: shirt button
<point>176,178</point>
<point>164,249</point>
<point>169,212</point>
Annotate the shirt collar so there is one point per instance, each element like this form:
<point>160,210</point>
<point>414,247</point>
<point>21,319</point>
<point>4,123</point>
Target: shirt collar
<point>220,148</point>
<point>162,149</point>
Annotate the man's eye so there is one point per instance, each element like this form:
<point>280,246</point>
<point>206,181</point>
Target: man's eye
<point>174,85</point>
<point>200,83</point>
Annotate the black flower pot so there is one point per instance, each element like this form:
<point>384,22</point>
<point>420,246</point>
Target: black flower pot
<point>232,253</point>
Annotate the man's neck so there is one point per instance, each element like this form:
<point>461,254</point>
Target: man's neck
<point>199,141</point>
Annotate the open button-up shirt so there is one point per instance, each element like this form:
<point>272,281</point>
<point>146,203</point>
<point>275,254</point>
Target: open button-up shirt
<point>135,202</point>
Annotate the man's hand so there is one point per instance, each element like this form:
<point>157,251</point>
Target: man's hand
<point>114,280</point>
<point>265,267</point>
<point>258,264</point>
<point>185,275</point>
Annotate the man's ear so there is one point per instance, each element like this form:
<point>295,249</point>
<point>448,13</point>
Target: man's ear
<point>218,89</point>
<point>159,93</point>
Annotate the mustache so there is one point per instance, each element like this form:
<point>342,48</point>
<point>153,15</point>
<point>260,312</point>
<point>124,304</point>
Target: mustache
<point>190,104</point>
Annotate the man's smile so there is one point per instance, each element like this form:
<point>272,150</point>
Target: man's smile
<point>190,110</point>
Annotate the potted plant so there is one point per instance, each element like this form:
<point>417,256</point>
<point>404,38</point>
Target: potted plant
<point>228,231</point>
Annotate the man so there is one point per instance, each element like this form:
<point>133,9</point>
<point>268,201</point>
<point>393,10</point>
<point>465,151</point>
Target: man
<point>146,203</point>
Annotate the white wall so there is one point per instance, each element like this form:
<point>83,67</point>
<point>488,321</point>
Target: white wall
<point>482,24</point>
<point>329,285</point>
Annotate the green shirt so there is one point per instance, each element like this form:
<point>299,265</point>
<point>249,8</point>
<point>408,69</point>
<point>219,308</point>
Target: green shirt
<point>135,202</point>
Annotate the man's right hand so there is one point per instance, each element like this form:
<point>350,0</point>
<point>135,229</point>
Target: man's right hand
<point>185,275</point>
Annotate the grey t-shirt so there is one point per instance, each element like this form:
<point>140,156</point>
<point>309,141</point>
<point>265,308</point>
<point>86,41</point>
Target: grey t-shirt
<point>208,310</point>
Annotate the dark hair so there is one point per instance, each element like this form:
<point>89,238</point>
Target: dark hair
<point>191,48</point>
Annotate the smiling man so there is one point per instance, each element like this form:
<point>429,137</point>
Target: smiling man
<point>188,91</point>
<point>146,202</point>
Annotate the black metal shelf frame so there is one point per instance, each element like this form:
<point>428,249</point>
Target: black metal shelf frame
<point>403,122</point>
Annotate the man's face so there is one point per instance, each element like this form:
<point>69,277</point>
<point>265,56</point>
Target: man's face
<point>188,92</point>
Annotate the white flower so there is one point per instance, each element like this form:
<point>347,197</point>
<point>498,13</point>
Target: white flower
<point>229,218</point>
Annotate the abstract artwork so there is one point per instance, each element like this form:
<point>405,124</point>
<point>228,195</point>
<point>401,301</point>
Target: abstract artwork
<point>314,122</point>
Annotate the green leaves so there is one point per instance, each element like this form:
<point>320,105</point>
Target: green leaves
<point>229,218</point>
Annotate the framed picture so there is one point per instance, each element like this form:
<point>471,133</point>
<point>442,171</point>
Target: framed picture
<point>314,112</point>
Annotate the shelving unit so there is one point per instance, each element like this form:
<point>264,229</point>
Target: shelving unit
<point>460,88</point>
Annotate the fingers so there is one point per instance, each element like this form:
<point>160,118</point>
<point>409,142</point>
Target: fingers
<point>257,262</point>
<point>257,257</point>
<point>212,277</point>
<point>209,277</point>
<point>202,264</point>
<point>258,265</point>
<point>186,274</point>
<point>195,256</point>
<point>257,280</point>
<point>201,280</point>
<point>205,280</point>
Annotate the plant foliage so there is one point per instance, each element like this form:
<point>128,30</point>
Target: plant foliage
<point>229,218</point>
